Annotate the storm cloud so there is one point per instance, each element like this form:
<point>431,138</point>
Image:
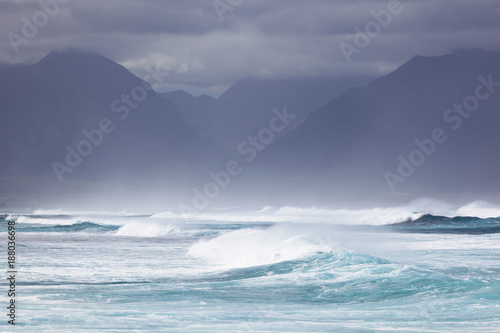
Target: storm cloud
<point>205,46</point>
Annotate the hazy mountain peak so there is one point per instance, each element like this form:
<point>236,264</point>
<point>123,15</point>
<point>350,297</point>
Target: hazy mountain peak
<point>75,58</point>
<point>419,65</point>
<point>367,132</point>
<point>73,54</point>
<point>47,107</point>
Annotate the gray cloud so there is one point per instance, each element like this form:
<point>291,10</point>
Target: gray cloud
<point>276,38</point>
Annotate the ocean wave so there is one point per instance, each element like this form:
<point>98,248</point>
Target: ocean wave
<point>254,247</point>
<point>50,220</point>
<point>148,229</point>
<point>374,216</point>
<point>295,268</point>
<point>451,225</point>
<point>369,216</point>
<point>480,209</point>
<point>66,220</point>
<point>287,214</point>
<point>76,227</point>
<point>85,212</point>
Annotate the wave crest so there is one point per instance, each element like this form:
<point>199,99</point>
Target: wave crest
<point>370,216</point>
<point>251,247</point>
<point>136,229</point>
<point>481,209</point>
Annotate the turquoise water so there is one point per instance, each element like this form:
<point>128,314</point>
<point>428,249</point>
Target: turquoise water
<point>243,271</point>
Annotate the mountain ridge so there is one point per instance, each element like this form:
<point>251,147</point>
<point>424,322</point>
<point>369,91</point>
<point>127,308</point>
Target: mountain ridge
<point>359,135</point>
<point>47,107</point>
<point>343,140</point>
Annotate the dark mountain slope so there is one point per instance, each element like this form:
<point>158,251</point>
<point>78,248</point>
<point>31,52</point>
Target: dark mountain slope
<point>349,145</point>
<point>47,107</point>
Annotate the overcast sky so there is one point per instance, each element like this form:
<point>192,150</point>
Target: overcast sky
<point>203,49</point>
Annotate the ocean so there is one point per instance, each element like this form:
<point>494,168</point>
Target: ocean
<point>422,267</point>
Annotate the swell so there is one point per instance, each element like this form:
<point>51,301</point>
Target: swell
<point>55,223</point>
<point>76,227</point>
<point>343,277</point>
<point>449,225</point>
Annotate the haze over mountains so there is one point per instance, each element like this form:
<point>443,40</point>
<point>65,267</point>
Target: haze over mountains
<point>247,106</point>
<point>344,136</point>
<point>357,142</point>
<point>75,121</point>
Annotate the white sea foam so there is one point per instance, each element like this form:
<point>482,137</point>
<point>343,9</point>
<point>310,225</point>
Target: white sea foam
<point>55,218</point>
<point>82,213</point>
<point>480,209</point>
<point>374,216</point>
<point>54,221</point>
<point>146,229</point>
<point>251,247</point>
<point>369,216</point>
<point>67,220</point>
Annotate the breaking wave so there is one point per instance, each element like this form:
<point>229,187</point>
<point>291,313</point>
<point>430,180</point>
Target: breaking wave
<point>138,229</point>
<point>372,216</point>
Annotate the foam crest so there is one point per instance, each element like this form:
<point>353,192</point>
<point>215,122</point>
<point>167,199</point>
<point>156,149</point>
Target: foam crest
<point>82,213</point>
<point>47,221</point>
<point>251,247</point>
<point>146,229</point>
<point>215,216</point>
<point>65,220</point>
<point>368,216</point>
<point>374,216</point>
<point>480,209</point>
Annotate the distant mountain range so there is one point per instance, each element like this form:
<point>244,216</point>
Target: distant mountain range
<point>82,116</point>
<point>81,119</point>
<point>365,141</point>
<point>247,106</point>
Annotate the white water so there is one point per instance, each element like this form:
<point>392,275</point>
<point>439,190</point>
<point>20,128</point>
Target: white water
<point>318,272</point>
<point>371,216</point>
<point>138,229</point>
<point>254,247</point>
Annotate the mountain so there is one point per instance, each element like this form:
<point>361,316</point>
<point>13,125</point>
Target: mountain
<point>79,116</point>
<point>197,111</point>
<point>75,121</point>
<point>401,134</point>
<point>4,65</point>
<point>247,106</point>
